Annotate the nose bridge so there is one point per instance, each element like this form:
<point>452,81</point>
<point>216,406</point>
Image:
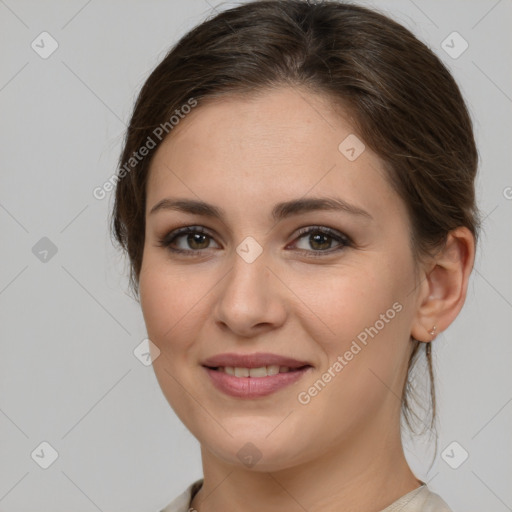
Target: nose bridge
<point>247,282</point>
<point>249,296</point>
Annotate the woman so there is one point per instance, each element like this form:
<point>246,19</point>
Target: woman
<point>296,197</point>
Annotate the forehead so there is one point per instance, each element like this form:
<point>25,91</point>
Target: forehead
<point>281,144</point>
<point>273,127</point>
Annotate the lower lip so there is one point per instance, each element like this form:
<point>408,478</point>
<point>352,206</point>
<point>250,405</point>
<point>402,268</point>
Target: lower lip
<point>253,387</point>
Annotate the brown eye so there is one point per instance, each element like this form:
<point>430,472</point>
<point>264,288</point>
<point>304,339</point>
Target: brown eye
<point>321,240</point>
<point>187,240</point>
<point>197,240</point>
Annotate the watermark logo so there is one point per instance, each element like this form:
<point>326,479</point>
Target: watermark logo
<point>44,45</point>
<point>150,143</point>
<point>361,341</point>
<point>249,249</point>
<point>146,352</point>
<point>44,455</point>
<point>454,45</point>
<point>44,250</point>
<point>249,455</point>
<point>351,147</point>
<point>454,455</point>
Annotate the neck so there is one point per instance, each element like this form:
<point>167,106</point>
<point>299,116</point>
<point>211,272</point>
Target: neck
<point>366,472</point>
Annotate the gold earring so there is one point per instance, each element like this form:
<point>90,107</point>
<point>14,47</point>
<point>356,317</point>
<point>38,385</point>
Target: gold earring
<point>432,331</point>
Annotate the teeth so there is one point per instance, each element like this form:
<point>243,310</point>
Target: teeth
<point>258,372</point>
<point>263,371</point>
<point>241,372</point>
<point>273,369</point>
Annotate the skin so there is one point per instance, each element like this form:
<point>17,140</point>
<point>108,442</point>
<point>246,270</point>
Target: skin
<point>245,154</point>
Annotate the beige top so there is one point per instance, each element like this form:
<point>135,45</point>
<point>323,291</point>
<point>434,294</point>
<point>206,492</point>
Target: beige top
<point>418,500</point>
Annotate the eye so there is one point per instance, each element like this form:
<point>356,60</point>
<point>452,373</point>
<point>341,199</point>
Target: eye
<point>315,240</point>
<point>191,239</point>
<point>320,239</point>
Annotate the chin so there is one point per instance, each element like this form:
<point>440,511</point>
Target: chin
<point>255,449</point>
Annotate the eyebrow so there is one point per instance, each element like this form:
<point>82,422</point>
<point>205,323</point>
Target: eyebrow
<point>279,212</point>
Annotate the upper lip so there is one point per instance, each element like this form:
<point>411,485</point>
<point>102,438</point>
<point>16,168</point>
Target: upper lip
<point>252,360</point>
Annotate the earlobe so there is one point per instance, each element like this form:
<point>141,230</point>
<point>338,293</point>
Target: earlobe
<point>445,285</point>
<point>432,332</point>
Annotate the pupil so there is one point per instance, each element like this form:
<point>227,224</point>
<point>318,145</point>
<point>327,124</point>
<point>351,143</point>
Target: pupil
<point>315,240</point>
<point>194,239</point>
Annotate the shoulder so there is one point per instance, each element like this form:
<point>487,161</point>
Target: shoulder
<point>434,503</point>
<point>421,499</point>
<point>182,502</point>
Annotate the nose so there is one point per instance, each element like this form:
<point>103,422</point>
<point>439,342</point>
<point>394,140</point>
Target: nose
<point>251,299</point>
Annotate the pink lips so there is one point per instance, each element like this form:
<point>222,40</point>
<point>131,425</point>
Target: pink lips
<point>252,360</point>
<point>253,387</point>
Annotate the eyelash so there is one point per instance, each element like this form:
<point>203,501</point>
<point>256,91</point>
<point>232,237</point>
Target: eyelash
<point>171,237</point>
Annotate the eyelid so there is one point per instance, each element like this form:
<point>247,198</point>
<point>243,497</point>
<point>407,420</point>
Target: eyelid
<point>172,235</point>
<point>311,228</point>
<point>343,239</point>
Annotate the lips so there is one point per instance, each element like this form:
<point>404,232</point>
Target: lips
<point>252,361</point>
<point>253,375</point>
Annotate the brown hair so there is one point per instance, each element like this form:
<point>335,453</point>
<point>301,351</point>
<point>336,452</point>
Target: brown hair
<point>403,102</point>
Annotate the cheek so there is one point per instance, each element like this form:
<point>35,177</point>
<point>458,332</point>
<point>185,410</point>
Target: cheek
<point>349,299</point>
<point>167,301</point>
<point>366,345</point>
<point>363,318</point>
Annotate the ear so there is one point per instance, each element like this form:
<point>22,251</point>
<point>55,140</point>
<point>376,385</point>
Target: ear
<point>444,285</point>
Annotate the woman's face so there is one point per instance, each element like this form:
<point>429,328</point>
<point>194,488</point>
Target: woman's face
<point>279,275</point>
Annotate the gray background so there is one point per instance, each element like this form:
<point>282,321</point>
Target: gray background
<point>68,375</point>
